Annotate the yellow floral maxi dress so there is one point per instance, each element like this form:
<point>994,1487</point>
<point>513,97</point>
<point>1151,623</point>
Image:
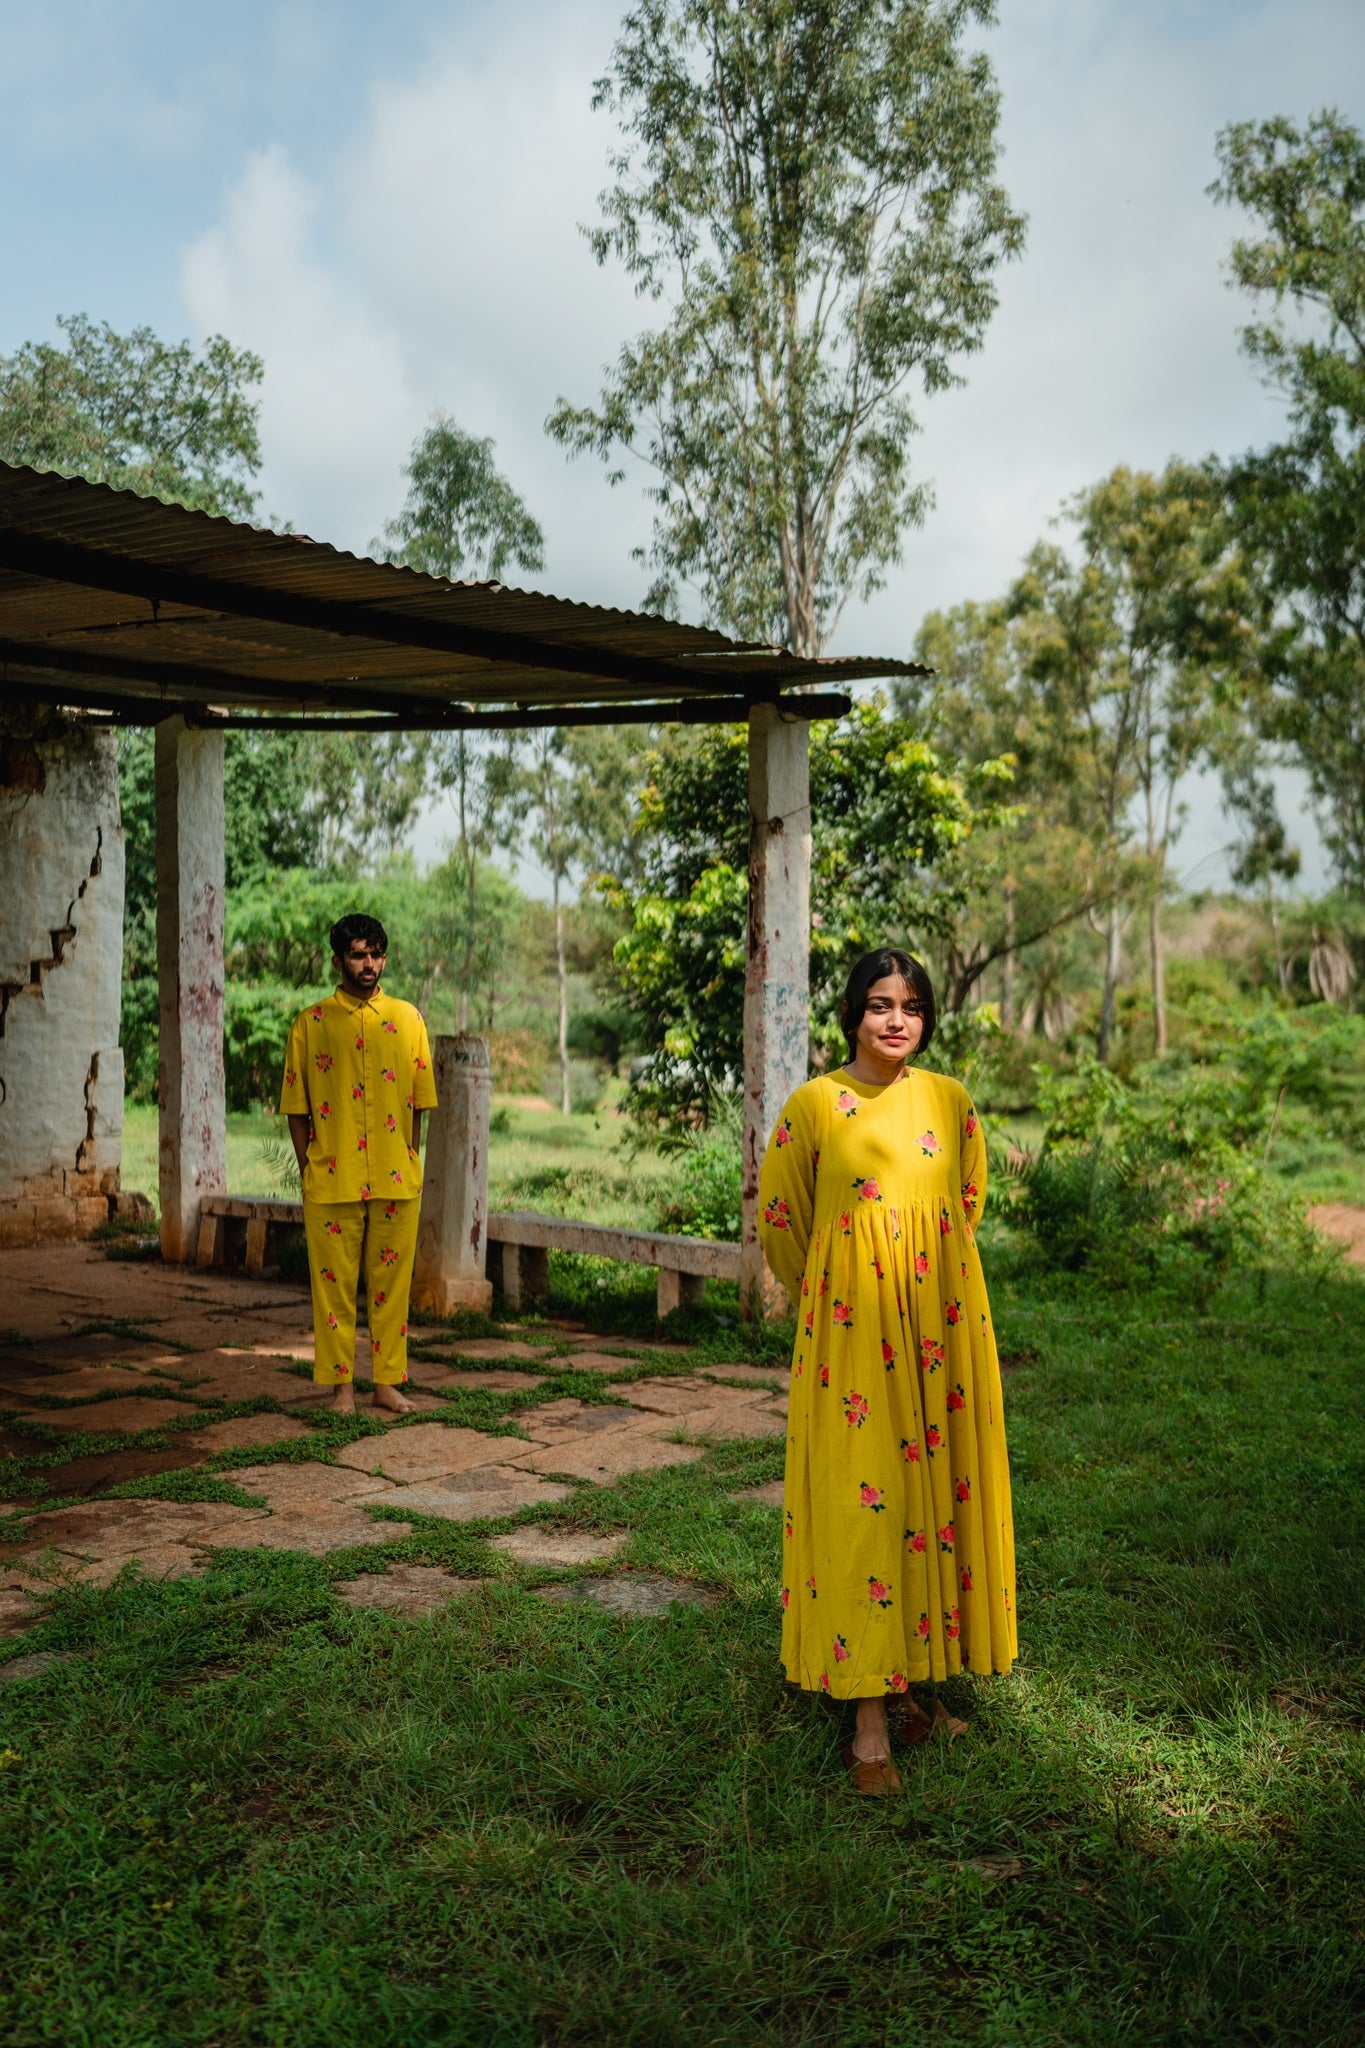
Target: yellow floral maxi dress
<point>898,1542</point>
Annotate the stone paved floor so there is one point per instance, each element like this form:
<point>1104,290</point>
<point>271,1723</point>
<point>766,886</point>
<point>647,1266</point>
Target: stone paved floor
<point>134,1365</point>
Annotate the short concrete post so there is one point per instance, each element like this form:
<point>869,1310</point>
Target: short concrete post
<point>777,973</point>
<point>189,965</point>
<point>523,1275</point>
<point>678,1290</point>
<point>451,1248</point>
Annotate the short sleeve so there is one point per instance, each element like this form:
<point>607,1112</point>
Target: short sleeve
<point>423,1079</point>
<point>972,1150</point>
<point>786,1189</point>
<point>294,1094</point>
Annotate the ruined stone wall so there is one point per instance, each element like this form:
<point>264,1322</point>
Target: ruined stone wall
<point>61,963</point>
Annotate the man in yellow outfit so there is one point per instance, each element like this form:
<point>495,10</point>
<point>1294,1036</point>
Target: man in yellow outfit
<point>357,1076</point>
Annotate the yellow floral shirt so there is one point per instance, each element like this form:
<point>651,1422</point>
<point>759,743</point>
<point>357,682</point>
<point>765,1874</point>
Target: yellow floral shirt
<point>359,1067</point>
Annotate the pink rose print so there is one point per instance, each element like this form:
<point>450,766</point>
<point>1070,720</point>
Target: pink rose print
<point>316,1016</point>
<point>947,1536</point>
<point>332,1163</point>
<point>362,1143</point>
<point>380,1298</point>
<point>327,1274</point>
<point>970,1127</point>
<point>824,1375</point>
<point>374,1346</point>
<point>842,1315</point>
<point>945,1223</point>
<point>324,1110</point>
<point>969,1194</point>
<point>390,1211</point>
<point>789,1529</point>
<point>898,1682</point>
<point>844,1224</point>
<point>343,1372</point>
<point>331,1319</point>
<point>966,1577</point>
<point>786,1599</point>
<point>420,1065</point>
<point>847,1104</point>
<point>928,1144</point>
<point>323,1062</point>
<point>952,1313</point>
<point>811,1583</point>
<point>389,1025</point>
<point>403,1331</point>
<point>956,1399</point>
<point>931,1354</point>
<point>932,1437</point>
<point>783,1134</point>
<point>290,1077</point>
<point>388,1256</point>
<point>867,1190</point>
<point>877,1267</point>
<point>777,1215</point>
<point>918,1542</point>
<point>358,1091</point>
<point>332,1229</point>
<point>952,1627</point>
<point>365,1193</point>
<point>824,1681</point>
<point>805,1285</point>
<point>360,1042</point>
<point>840,1650</point>
<point>921,1266</point>
<point>823,1286</point>
<point>855,1407</point>
<point>888,1353</point>
<point>387,1074</point>
<point>395,1176</point>
<point>910,1449</point>
<point>878,1593</point>
<point>963,1489</point>
<point>964,1272</point>
<point>810,1322</point>
<point>871,1497</point>
<point>922,1626</point>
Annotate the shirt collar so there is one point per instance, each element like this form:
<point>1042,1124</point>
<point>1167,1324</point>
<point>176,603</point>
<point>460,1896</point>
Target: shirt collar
<point>349,1002</point>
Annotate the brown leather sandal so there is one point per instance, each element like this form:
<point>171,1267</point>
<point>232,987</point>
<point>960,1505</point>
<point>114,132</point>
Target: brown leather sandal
<point>946,1724</point>
<point>874,1780</point>
<point>909,1722</point>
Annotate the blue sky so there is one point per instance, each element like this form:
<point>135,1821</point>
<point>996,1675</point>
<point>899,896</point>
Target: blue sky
<point>383,201</point>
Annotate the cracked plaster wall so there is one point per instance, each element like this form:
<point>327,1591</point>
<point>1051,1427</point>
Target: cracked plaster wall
<point>61,963</point>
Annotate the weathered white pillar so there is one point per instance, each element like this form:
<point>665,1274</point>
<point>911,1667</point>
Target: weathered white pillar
<point>451,1235</point>
<point>189,965</point>
<point>777,972</point>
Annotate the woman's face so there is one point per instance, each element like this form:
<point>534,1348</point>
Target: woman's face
<point>893,1022</point>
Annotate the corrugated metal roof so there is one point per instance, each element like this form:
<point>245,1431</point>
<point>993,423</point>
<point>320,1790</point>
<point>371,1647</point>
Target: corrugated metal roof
<point>108,597</point>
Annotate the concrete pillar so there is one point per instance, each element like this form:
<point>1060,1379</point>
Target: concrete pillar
<point>189,965</point>
<point>451,1236</point>
<point>61,961</point>
<point>777,972</point>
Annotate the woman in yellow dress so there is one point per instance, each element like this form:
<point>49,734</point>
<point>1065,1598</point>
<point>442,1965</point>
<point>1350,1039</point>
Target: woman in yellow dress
<point>898,1543</point>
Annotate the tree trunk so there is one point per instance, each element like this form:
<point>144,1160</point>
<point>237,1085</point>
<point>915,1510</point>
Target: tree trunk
<point>1158,975</point>
<point>1281,968</point>
<point>564,1100</point>
<point>1112,965</point>
<point>1007,961</point>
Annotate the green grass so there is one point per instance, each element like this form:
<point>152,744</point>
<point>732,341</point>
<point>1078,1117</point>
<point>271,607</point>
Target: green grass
<point>538,1159</point>
<point>241,1813</point>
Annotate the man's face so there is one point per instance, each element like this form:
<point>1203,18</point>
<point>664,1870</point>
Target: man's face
<point>360,966</point>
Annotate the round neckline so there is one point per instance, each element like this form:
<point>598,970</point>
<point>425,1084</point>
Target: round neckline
<point>873,1088</point>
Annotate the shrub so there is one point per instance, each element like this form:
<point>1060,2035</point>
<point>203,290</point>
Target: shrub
<point>706,1199</point>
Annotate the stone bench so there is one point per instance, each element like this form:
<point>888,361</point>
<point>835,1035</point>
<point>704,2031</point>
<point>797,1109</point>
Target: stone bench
<point>519,1247</point>
<point>520,1243</point>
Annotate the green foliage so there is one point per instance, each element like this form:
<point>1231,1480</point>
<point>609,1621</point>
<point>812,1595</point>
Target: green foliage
<point>138,413</point>
<point>462,517</point>
<point>811,187</point>
<point>887,817</point>
<point>1300,505</point>
<point>1163,1178</point>
<point>705,1183</point>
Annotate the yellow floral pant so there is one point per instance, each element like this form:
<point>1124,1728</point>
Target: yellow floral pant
<point>342,1238</point>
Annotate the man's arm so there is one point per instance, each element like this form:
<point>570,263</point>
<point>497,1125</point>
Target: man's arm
<point>300,1131</point>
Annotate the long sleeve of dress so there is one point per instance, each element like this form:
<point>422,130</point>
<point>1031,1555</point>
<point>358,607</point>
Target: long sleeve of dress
<point>786,1190</point>
<point>972,1144</point>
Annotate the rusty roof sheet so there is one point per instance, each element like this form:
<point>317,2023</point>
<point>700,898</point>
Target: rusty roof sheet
<point>109,598</point>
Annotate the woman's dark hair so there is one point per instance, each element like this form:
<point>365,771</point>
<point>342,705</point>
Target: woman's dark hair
<point>873,967</point>
<point>347,930</point>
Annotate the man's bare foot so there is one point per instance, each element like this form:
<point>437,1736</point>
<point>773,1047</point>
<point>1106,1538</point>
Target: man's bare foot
<point>389,1397</point>
<point>343,1401</point>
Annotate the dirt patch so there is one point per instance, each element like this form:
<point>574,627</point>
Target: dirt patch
<point>1344,1225</point>
<point>112,1468</point>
